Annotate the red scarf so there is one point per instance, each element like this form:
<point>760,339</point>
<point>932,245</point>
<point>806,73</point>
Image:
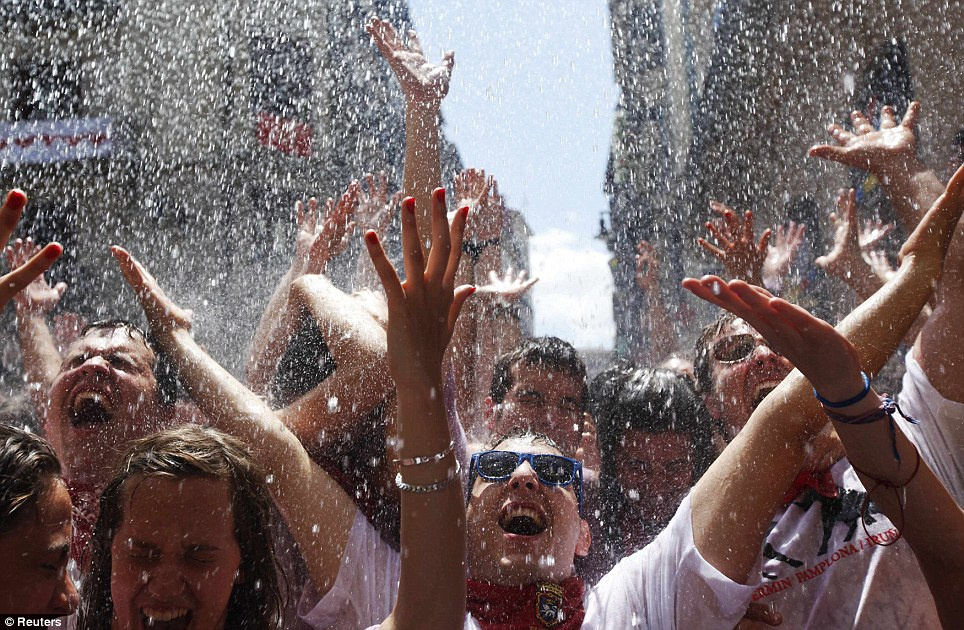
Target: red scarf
<point>819,480</point>
<point>530,607</point>
<point>86,500</point>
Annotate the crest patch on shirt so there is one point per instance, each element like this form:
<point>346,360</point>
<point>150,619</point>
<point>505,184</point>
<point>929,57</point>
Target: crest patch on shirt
<point>549,599</point>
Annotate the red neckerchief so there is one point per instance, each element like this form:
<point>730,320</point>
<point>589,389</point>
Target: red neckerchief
<point>533,606</point>
<point>86,500</point>
<point>819,480</point>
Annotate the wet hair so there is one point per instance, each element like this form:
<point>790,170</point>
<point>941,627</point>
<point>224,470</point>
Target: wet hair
<point>28,466</point>
<point>651,400</point>
<point>702,361</point>
<point>164,372</point>
<point>19,411</point>
<point>190,451</point>
<point>525,435</point>
<point>550,353</point>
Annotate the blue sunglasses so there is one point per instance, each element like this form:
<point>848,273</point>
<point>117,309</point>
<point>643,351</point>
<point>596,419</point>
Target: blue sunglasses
<point>552,470</point>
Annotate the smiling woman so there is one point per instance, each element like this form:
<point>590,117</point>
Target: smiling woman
<point>183,540</point>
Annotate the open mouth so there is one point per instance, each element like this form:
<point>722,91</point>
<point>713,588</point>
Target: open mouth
<point>762,391</point>
<point>168,619</point>
<point>522,520</point>
<point>89,408</point>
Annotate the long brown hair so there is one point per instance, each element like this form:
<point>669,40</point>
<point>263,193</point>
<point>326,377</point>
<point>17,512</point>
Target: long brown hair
<point>193,451</point>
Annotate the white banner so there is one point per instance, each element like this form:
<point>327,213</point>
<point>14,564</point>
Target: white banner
<point>47,141</point>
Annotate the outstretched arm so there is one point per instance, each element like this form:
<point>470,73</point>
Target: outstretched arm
<point>890,153</point>
<point>424,85</point>
<point>735,500</point>
<point>654,321</point>
<point>321,237</point>
<point>305,494</point>
<point>422,312</point>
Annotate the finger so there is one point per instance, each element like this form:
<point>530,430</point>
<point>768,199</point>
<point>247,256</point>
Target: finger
<point>887,119</point>
<point>438,257</point>
<point>860,122</point>
<point>369,183</point>
<point>764,613</point>
<point>384,268</point>
<point>300,213</point>
<point>312,215</point>
<point>413,43</point>
<point>412,255</point>
<point>828,152</point>
<point>748,227</point>
<point>10,213</point>
<point>382,186</point>
<point>910,118</point>
<point>716,251</point>
<point>764,241</point>
<point>455,238</point>
<point>461,294</point>
<point>19,278</point>
<point>719,234</point>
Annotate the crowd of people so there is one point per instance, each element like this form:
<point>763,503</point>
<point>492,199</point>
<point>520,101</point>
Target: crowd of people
<point>400,456</point>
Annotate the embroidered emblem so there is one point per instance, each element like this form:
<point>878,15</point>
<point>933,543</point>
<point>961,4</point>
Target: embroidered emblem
<point>549,598</point>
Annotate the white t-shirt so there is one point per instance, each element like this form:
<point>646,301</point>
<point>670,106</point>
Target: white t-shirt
<point>821,570</point>
<point>666,585</point>
<point>940,435</point>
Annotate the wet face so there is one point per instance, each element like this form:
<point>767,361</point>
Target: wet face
<point>544,401</point>
<point>654,471</point>
<point>744,370</point>
<point>34,557</point>
<point>522,531</point>
<point>174,559</point>
<point>105,394</point>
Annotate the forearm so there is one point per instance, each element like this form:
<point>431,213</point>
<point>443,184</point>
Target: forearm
<point>912,189</point>
<point>305,494</point>
<point>38,352</point>
<point>423,165</point>
<point>661,334</point>
<point>432,582</point>
<point>271,337</point>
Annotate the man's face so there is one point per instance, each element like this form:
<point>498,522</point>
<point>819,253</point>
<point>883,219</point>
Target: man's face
<point>104,395</point>
<point>744,370</point>
<point>544,401</point>
<point>174,558</point>
<point>34,557</point>
<point>555,533</point>
<point>654,471</point>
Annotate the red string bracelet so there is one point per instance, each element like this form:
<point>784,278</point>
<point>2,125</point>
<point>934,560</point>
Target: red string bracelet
<point>886,410</point>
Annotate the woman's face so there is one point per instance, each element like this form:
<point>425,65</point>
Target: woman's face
<point>174,559</point>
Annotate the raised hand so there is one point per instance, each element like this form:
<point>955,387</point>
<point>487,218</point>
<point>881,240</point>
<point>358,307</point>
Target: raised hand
<point>742,256</point>
<point>880,264</point>
<point>22,274</point>
<point>38,297</point>
<point>647,267</point>
<point>508,288</point>
<point>823,355</point>
<point>892,149</point>
<point>163,315</point>
<point>844,260</point>
<point>422,82</point>
<point>423,309</point>
<point>375,209</point>
<point>472,187</point>
<point>332,235</point>
<point>780,255</point>
<point>872,233</point>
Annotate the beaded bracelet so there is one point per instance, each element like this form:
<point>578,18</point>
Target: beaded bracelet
<point>432,487</point>
<point>850,401</point>
<point>427,459</point>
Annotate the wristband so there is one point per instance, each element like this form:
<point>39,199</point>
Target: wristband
<point>850,401</point>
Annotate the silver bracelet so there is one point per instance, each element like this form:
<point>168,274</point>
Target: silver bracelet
<point>415,461</point>
<point>432,487</point>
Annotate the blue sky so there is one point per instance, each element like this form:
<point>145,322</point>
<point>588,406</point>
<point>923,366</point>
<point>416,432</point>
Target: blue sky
<point>531,101</point>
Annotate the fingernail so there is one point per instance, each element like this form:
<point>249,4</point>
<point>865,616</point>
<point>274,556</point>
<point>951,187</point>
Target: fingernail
<point>440,194</point>
<point>371,237</point>
<point>464,210</point>
<point>408,204</point>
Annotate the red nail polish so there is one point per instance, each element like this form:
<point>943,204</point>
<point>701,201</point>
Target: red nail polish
<point>464,210</point>
<point>408,204</point>
<point>371,237</point>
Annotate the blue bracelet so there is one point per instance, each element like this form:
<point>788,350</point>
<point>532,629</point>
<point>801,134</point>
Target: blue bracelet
<point>850,401</point>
